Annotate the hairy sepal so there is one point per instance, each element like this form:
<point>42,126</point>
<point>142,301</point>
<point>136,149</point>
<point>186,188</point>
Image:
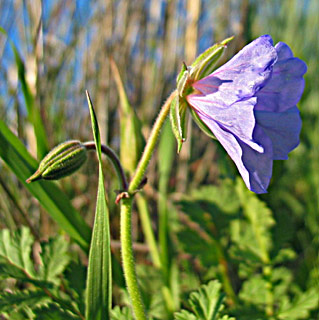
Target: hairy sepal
<point>178,118</point>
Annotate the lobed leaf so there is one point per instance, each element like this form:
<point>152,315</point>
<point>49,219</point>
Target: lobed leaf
<point>21,299</point>
<point>206,303</point>
<point>252,235</point>
<point>54,312</point>
<point>15,258</point>
<point>300,307</point>
<point>121,314</point>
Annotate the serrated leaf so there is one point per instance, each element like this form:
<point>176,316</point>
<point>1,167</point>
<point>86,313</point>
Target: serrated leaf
<point>15,155</point>
<point>254,290</point>
<point>54,258</point>
<point>203,249</point>
<point>284,255</point>
<point>212,207</point>
<point>207,302</point>
<point>99,285</point>
<point>15,258</point>
<point>223,196</point>
<point>300,307</point>
<point>184,315</point>
<point>21,299</point>
<point>54,312</point>
<point>75,281</point>
<point>121,314</point>
<point>253,235</point>
<point>15,253</point>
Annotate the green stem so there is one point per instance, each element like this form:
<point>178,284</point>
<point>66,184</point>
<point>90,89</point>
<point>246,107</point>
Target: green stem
<point>126,214</point>
<point>128,259</point>
<point>150,146</point>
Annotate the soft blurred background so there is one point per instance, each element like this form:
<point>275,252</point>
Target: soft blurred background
<point>67,47</point>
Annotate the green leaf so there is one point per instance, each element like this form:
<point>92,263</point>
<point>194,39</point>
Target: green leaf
<point>54,259</point>
<point>15,258</point>
<point>22,299</point>
<point>13,152</point>
<point>254,290</point>
<point>206,304</point>
<point>202,248</point>
<point>184,315</point>
<point>15,252</point>
<point>34,115</point>
<point>300,307</point>
<point>54,312</point>
<point>121,314</point>
<point>252,235</point>
<point>99,285</point>
<point>132,139</point>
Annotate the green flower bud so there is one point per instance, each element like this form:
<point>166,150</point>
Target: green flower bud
<point>203,66</point>
<point>60,162</point>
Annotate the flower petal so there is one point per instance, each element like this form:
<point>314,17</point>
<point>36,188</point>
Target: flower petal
<point>254,167</point>
<point>284,89</point>
<point>237,118</point>
<point>283,51</point>
<point>242,76</point>
<point>282,128</point>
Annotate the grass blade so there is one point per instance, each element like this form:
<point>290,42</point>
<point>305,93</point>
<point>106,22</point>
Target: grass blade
<point>33,113</point>
<point>99,286</point>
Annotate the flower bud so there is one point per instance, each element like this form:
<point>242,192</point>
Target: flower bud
<point>60,162</point>
<point>201,67</point>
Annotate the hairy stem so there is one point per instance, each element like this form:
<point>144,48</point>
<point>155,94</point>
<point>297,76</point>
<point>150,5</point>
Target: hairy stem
<point>126,214</point>
<point>150,146</point>
<point>128,259</point>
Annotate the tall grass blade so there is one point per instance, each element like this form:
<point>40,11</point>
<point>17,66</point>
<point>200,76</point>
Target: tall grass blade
<point>132,140</point>
<point>33,113</point>
<point>99,286</point>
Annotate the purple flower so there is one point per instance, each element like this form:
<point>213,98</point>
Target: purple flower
<point>249,104</point>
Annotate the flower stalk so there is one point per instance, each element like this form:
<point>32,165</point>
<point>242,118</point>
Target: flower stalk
<point>90,145</point>
<point>126,213</point>
<point>149,148</point>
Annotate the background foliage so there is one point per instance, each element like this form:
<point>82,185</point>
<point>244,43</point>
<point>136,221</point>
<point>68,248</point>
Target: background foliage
<point>261,252</point>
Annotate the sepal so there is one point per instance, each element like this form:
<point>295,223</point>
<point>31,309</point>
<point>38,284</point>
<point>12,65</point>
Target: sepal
<point>178,118</point>
<point>201,124</point>
<point>205,63</point>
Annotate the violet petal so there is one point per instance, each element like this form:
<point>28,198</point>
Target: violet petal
<point>237,118</point>
<point>242,76</point>
<point>282,128</point>
<point>254,167</point>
